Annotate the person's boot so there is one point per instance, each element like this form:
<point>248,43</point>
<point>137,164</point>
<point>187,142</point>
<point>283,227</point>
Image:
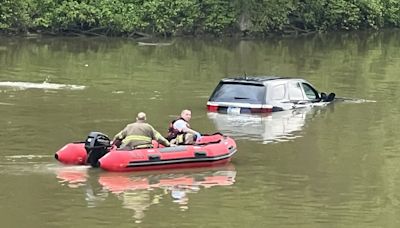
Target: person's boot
<point>330,97</point>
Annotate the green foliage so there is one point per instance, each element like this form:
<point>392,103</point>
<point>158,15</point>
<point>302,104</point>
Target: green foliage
<point>311,13</point>
<point>117,16</point>
<point>216,15</point>
<point>14,14</point>
<point>270,15</point>
<point>169,16</point>
<point>371,13</point>
<point>42,15</point>
<point>391,12</point>
<point>176,17</point>
<point>341,14</point>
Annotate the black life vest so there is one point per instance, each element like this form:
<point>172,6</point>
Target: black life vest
<point>173,132</point>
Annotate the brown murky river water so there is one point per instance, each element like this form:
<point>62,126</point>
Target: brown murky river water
<point>336,166</point>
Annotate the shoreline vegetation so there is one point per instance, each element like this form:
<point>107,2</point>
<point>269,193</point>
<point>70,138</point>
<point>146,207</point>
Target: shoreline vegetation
<point>173,18</point>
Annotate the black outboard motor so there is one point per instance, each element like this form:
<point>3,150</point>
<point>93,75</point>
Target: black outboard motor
<point>97,145</point>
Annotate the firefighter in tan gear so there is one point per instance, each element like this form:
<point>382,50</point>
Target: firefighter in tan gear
<point>139,135</point>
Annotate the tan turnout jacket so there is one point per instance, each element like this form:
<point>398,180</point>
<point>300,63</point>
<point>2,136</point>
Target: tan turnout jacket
<point>139,135</point>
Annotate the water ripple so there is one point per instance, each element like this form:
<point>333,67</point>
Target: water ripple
<point>43,85</point>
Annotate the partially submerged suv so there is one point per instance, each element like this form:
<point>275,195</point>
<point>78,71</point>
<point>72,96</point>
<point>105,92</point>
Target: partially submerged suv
<point>264,94</point>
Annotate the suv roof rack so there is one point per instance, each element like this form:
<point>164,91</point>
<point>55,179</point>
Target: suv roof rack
<point>254,78</point>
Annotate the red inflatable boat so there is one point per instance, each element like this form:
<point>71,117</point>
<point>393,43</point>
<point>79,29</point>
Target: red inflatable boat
<point>96,150</point>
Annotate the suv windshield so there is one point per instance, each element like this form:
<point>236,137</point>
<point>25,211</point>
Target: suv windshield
<point>239,93</point>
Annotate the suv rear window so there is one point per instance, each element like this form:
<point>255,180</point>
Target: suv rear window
<point>239,93</point>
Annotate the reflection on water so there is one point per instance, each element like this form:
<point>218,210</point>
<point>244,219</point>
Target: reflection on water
<point>73,176</point>
<point>273,127</point>
<point>139,191</point>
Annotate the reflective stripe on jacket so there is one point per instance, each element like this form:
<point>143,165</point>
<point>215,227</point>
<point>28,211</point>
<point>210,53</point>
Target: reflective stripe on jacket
<point>140,134</point>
